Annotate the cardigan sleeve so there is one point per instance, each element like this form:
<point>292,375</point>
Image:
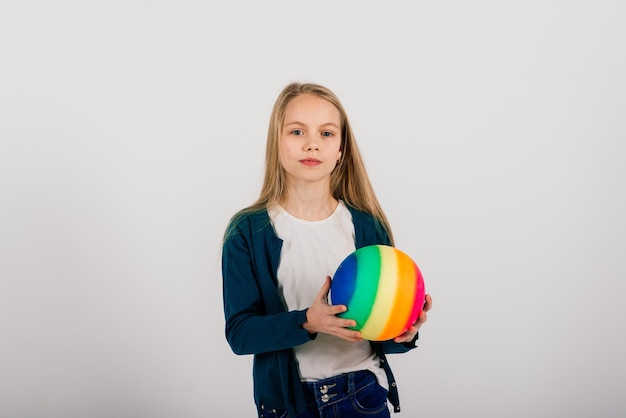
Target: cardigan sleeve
<point>250,328</point>
<point>392,347</point>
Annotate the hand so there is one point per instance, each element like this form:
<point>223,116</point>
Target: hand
<point>410,333</point>
<point>322,317</point>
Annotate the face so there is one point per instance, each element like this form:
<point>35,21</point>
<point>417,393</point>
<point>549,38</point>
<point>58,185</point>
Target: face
<point>310,141</point>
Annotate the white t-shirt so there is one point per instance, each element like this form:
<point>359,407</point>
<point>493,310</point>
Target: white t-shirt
<point>311,251</point>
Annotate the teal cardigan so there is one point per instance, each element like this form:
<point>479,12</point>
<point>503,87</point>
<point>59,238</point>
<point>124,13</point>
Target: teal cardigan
<point>257,321</point>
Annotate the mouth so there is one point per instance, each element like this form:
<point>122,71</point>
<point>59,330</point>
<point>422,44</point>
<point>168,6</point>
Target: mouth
<point>310,161</point>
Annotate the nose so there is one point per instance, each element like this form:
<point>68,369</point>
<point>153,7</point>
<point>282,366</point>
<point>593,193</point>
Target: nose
<point>312,146</point>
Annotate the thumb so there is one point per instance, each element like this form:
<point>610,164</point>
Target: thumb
<point>323,293</point>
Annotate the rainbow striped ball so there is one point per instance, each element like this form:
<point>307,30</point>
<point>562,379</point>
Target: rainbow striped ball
<point>383,289</point>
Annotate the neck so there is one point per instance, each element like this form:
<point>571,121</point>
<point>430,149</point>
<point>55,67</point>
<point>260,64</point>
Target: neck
<point>309,205</point>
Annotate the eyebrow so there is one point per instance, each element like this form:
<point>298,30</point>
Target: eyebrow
<point>303,124</point>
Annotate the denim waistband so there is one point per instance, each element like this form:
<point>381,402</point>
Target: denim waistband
<point>334,389</point>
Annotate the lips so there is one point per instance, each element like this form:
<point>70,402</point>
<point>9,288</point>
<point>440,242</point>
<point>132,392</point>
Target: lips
<point>310,161</point>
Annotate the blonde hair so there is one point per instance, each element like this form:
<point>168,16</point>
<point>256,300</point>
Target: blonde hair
<point>348,181</point>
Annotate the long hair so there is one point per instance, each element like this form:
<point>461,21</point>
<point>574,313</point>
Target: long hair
<point>348,181</point>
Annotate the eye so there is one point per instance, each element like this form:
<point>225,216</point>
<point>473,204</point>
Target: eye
<point>297,132</point>
<point>327,133</point>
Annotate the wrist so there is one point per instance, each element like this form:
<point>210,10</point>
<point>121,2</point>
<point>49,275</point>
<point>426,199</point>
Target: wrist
<point>306,325</point>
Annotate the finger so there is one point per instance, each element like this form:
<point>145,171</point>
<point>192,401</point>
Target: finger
<point>422,319</point>
<point>346,323</point>
<point>337,309</point>
<point>428,303</point>
<point>339,322</point>
<point>349,335</point>
<point>342,327</point>
<point>407,336</point>
<point>323,293</point>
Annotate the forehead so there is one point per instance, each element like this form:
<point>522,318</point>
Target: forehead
<point>311,109</point>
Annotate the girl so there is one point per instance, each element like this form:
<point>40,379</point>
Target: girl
<point>316,206</point>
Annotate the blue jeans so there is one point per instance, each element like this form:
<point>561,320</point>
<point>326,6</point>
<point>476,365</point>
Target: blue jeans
<point>355,394</point>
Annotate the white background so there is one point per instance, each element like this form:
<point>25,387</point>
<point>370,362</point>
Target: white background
<point>130,131</point>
